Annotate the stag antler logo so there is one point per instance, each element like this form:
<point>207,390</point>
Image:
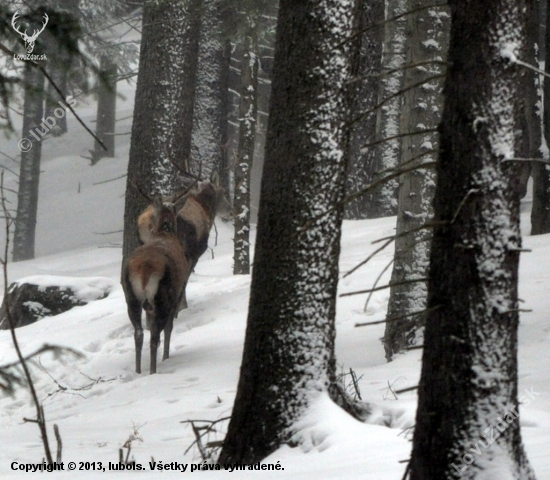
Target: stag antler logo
<point>29,41</point>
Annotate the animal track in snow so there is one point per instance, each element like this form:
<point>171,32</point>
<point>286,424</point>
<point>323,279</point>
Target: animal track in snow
<point>121,332</point>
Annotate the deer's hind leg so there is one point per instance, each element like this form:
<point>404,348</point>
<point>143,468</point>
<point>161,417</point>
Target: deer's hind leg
<point>134,312</point>
<point>167,335</point>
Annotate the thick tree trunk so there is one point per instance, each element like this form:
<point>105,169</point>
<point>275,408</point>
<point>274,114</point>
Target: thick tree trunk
<point>366,67</point>
<point>106,111</point>
<point>384,199</point>
<point>163,108</point>
<point>29,173</point>
<point>248,111</point>
<point>210,91</point>
<point>466,423</point>
<point>428,42</point>
<point>288,355</point>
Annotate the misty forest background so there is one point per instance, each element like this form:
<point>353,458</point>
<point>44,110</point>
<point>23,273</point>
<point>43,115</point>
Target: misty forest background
<point>312,113</point>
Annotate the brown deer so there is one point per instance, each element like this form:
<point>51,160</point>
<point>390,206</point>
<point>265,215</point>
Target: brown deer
<point>195,220</point>
<point>154,278</point>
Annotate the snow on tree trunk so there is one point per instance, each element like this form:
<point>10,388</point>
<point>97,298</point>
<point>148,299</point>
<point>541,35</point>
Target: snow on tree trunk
<point>225,108</point>
<point>540,214</point>
<point>106,111</point>
<point>163,107</point>
<point>466,423</point>
<point>210,91</point>
<point>367,54</point>
<point>248,110</point>
<point>29,172</point>
<point>428,42</point>
<point>384,199</point>
<point>288,355</point>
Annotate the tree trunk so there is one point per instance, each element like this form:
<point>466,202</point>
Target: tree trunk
<point>29,173</point>
<point>365,68</point>
<point>468,384</point>
<point>60,49</point>
<point>163,107</point>
<point>288,356</point>
<point>106,111</point>
<point>384,199</point>
<point>540,214</point>
<point>428,42</point>
<point>210,91</point>
<point>248,111</point>
<point>225,176</point>
<point>59,76</point>
<point>530,118</point>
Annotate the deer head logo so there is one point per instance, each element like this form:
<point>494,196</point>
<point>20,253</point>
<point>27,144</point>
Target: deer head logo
<point>29,41</point>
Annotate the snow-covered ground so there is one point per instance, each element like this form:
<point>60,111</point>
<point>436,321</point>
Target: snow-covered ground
<point>97,400</point>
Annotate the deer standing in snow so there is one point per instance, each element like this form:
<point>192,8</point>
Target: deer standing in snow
<point>154,278</point>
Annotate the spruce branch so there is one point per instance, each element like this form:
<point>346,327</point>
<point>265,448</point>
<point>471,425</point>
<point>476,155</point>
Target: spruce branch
<point>40,418</point>
<point>353,80</point>
<point>389,285</point>
<point>375,284</point>
<point>400,317</point>
<point>396,94</point>
<point>392,19</point>
<point>400,135</point>
<point>389,240</point>
<point>58,90</point>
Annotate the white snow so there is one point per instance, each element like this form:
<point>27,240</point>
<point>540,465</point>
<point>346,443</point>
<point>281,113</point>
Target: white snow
<point>103,400</point>
<point>432,44</point>
<point>85,289</point>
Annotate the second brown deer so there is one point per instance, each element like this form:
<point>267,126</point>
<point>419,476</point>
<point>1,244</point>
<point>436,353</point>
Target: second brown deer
<point>195,220</point>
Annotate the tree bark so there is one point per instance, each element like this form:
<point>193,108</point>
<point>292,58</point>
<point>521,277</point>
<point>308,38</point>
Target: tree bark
<point>248,111</point>
<point>366,68</point>
<point>384,199</point>
<point>163,107</point>
<point>225,176</point>
<point>468,384</point>
<point>428,42</point>
<point>106,111</point>
<point>540,213</point>
<point>210,91</point>
<point>288,355</point>
<point>29,173</point>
